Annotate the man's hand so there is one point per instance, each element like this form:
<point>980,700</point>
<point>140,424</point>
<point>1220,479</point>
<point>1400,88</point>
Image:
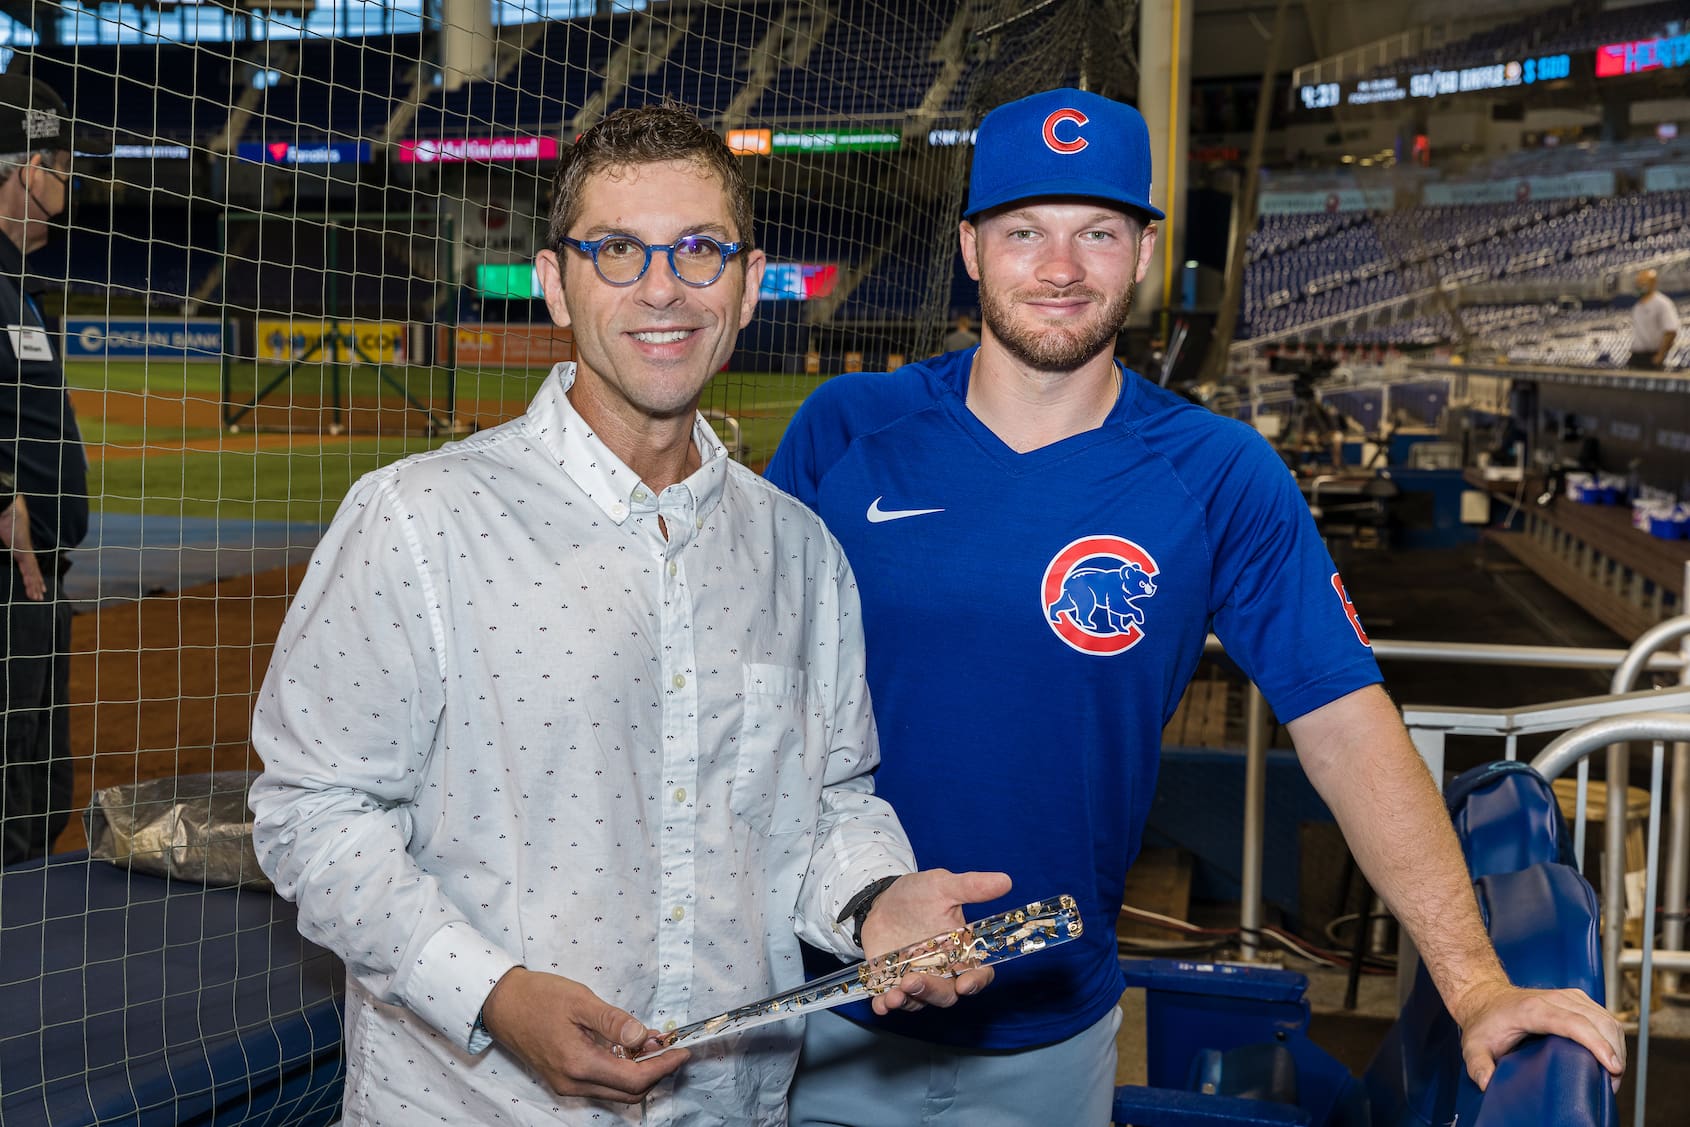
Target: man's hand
<point>14,536</point>
<point>920,906</point>
<point>1495,1018</point>
<point>565,1033</point>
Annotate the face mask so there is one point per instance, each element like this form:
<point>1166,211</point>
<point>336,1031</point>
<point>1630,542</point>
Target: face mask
<point>61,220</point>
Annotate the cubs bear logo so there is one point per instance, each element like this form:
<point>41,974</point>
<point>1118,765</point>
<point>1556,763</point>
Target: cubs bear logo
<point>1092,591</point>
<point>1063,117</point>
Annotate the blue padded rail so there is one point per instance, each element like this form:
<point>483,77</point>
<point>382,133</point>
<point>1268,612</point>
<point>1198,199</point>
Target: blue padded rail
<point>1507,819</point>
<point>1216,1028</point>
<point>131,999</point>
<point>1542,917</point>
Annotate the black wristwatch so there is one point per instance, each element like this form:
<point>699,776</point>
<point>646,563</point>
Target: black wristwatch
<point>857,908</point>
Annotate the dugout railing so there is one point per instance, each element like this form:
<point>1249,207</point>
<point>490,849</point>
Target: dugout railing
<point>1585,726</point>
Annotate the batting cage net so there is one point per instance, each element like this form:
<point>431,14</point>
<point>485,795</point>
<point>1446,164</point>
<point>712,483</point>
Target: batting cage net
<point>299,245</point>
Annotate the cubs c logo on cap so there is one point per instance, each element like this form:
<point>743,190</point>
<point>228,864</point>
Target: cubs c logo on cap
<point>1064,117</point>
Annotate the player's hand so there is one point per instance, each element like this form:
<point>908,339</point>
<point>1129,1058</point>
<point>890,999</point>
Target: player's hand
<point>920,906</point>
<point>14,535</point>
<point>1496,1018</point>
<point>566,1033</point>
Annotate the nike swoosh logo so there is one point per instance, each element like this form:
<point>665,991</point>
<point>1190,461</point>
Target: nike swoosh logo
<point>878,515</point>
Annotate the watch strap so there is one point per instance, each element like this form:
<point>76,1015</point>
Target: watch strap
<point>857,908</point>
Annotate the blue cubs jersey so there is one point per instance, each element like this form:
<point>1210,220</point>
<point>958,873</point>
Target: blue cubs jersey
<point>1032,621</point>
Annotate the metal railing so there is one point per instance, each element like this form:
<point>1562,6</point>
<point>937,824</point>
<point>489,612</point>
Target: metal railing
<point>1576,747</point>
<point>1393,307</point>
<point>1586,724</point>
<point>1257,733</point>
<point>1651,641</point>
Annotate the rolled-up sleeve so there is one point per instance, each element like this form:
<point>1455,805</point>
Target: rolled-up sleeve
<point>346,722</point>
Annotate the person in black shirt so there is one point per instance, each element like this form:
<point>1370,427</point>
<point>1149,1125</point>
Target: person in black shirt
<point>43,479</point>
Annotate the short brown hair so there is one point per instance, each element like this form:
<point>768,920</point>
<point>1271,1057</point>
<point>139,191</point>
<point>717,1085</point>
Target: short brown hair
<point>647,135</point>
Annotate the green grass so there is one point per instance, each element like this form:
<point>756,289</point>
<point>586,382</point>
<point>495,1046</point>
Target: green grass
<point>308,381</point>
<point>763,403</point>
<point>306,481</point>
<point>141,376</point>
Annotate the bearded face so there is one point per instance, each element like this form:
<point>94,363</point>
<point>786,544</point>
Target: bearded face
<point>1057,347</point>
<point>1056,279</point>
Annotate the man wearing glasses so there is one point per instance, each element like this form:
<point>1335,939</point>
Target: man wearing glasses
<point>43,478</point>
<point>567,734</point>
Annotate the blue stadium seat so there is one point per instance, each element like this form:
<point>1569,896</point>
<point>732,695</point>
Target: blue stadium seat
<point>1217,1031</point>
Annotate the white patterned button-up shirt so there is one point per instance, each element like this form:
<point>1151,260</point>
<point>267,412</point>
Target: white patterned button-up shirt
<point>509,722</point>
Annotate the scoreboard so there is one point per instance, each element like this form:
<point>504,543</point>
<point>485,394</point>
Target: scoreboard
<point>1435,83</point>
<point>1611,60</point>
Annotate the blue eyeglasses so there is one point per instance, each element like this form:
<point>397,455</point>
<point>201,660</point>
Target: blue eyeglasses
<point>622,260</point>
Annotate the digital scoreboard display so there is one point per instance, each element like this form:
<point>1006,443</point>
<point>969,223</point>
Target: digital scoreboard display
<point>1434,83</point>
<point>1321,95</point>
<point>1642,55</point>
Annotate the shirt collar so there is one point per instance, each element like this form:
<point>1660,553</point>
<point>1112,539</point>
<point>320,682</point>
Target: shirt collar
<point>604,477</point>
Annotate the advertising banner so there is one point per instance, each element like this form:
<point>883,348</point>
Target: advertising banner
<point>838,141</point>
<point>150,152</point>
<point>89,338</point>
<point>1337,199</point>
<point>1640,55</point>
<point>457,150</point>
<point>322,342</point>
<point>798,281</point>
<point>518,280</point>
<point>326,152</point>
<point>1666,177</point>
<point>762,142</point>
<point>510,346</point>
<point>1566,186</point>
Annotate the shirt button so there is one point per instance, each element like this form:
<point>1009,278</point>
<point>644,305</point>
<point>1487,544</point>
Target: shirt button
<point>618,510</point>
<point>680,794</point>
<point>680,681</point>
<point>669,1026</point>
<point>678,914</point>
<point>701,522</point>
<point>639,495</point>
<point>674,567</point>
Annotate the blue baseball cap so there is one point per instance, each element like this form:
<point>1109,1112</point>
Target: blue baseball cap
<point>1061,143</point>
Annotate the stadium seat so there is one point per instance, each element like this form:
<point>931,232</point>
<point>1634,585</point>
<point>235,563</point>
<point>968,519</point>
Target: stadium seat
<point>1213,1029</point>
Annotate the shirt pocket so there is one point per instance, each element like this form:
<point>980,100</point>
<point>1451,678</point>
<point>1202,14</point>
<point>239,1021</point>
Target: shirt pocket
<point>782,746</point>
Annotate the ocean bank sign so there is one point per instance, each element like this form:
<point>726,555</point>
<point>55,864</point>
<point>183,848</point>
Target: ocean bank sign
<point>99,338</point>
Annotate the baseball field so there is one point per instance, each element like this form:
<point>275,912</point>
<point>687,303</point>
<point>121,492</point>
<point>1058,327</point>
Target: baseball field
<point>164,684</point>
